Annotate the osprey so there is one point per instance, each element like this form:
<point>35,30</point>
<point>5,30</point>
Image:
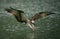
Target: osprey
<point>21,17</point>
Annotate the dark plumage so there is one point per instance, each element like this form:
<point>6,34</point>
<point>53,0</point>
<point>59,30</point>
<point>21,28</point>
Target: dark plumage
<point>41,15</point>
<point>17,13</point>
<point>21,17</point>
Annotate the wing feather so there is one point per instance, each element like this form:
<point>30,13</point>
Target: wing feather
<point>40,15</point>
<point>19,14</point>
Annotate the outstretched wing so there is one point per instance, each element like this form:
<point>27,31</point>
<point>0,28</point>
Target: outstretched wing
<point>40,15</point>
<point>19,14</point>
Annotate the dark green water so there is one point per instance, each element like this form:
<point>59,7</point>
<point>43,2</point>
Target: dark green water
<point>46,28</point>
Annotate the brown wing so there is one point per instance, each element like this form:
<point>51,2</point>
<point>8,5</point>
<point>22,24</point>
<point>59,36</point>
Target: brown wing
<point>19,14</point>
<point>40,15</point>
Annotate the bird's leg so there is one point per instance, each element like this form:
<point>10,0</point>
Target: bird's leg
<point>33,27</point>
<point>30,24</point>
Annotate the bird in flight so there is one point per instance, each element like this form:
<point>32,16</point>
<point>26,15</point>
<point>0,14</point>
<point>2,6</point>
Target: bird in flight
<point>21,17</point>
